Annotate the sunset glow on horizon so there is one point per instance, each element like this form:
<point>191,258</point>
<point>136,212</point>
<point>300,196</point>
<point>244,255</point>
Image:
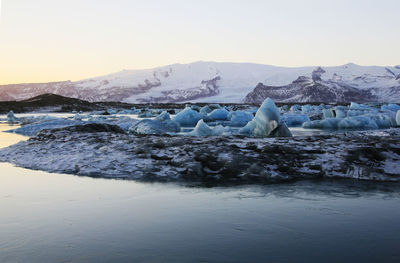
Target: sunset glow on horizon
<point>47,40</point>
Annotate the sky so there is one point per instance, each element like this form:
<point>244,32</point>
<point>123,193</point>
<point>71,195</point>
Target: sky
<point>54,40</point>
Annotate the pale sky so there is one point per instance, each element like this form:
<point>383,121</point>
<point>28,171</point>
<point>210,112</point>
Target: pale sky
<point>51,40</point>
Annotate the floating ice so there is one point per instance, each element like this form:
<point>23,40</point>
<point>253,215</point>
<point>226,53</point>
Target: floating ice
<point>188,117</point>
<point>162,124</point>
<point>390,107</point>
<point>11,117</point>
<point>352,113</point>
<point>34,128</point>
<point>357,106</point>
<point>328,124</point>
<point>293,120</point>
<point>328,113</point>
<point>218,114</point>
<point>340,113</point>
<point>266,122</point>
<point>369,121</point>
<point>306,108</point>
<point>295,107</point>
<point>111,111</point>
<point>205,110</point>
<point>124,122</point>
<point>146,114</point>
<point>358,122</point>
<point>398,118</point>
<point>239,118</point>
<point>78,117</point>
<point>215,106</point>
<point>202,129</point>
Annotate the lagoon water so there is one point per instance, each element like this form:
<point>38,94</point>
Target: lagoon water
<point>64,218</point>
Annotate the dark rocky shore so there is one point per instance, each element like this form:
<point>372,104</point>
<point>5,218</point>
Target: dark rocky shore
<point>102,150</point>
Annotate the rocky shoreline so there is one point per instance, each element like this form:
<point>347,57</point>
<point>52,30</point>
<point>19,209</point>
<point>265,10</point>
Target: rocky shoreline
<point>107,151</point>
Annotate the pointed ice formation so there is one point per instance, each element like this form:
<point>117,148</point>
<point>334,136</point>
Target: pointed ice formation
<point>202,129</point>
<point>266,123</point>
<point>11,117</point>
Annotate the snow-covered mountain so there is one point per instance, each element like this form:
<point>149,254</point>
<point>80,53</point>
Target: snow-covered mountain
<point>226,82</point>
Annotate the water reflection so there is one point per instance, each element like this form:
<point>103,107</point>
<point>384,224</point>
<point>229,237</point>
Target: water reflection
<point>7,139</point>
<point>64,218</point>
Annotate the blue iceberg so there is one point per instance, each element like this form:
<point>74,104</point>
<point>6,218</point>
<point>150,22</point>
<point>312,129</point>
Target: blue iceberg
<point>188,117</point>
<point>266,123</point>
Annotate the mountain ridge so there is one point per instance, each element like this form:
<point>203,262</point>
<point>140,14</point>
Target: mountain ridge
<point>224,82</point>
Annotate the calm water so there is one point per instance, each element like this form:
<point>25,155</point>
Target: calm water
<point>63,218</point>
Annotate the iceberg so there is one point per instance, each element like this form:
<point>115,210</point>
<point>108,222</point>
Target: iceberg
<point>390,107</point>
<point>306,108</point>
<point>215,106</point>
<point>111,111</point>
<point>239,118</point>
<point>293,120</point>
<point>266,122</point>
<point>379,121</point>
<point>357,106</point>
<point>11,117</point>
<point>295,107</point>
<point>205,110</point>
<point>34,128</point>
<point>162,124</point>
<point>358,122</point>
<point>328,113</point>
<point>218,115</point>
<point>340,113</point>
<point>326,124</point>
<point>398,118</point>
<point>202,129</point>
<point>188,117</point>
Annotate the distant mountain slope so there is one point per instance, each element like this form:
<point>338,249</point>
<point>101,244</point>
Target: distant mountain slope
<point>226,82</point>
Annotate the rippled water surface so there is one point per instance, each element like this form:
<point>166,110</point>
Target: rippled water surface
<point>63,218</point>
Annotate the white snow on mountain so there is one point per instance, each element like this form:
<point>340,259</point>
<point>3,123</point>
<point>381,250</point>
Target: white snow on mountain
<point>205,82</point>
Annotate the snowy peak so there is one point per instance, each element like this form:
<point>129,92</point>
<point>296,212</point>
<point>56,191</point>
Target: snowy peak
<point>215,82</point>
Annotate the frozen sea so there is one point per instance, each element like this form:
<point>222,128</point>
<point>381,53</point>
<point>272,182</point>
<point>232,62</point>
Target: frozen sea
<point>64,218</point>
